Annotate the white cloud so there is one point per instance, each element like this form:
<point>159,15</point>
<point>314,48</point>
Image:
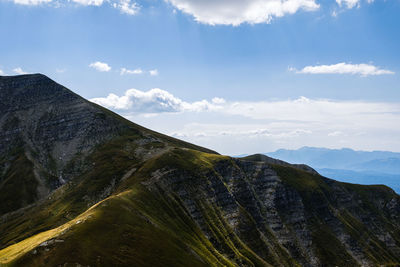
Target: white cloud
<point>126,71</point>
<point>127,7</point>
<point>152,101</point>
<point>100,66</point>
<point>348,3</point>
<point>344,68</point>
<point>31,2</point>
<point>236,127</point>
<point>1,72</point>
<point>335,133</point>
<point>153,72</point>
<point>209,130</point>
<point>19,71</point>
<point>218,100</point>
<point>302,109</point>
<point>89,2</point>
<point>38,2</point>
<point>236,12</point>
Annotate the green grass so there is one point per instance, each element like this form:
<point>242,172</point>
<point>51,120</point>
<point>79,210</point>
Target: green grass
<point>123,230</point>
<point>149,226</point>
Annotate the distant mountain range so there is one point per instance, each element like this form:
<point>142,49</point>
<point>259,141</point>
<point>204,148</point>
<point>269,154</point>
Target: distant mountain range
<point>363,167</point>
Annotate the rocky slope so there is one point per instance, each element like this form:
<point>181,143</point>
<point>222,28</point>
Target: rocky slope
<point>81,185</point>
<point>45,133</point>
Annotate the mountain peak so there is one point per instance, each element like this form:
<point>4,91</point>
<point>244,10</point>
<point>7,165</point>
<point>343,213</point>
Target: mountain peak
<point>20,80</point>
<point>34,92</point>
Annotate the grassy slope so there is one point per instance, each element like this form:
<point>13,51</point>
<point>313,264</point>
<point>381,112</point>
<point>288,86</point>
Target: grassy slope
<point>132,227</point>
<point>123,230</point>
<point>108,161</point>
<point>135,226</point>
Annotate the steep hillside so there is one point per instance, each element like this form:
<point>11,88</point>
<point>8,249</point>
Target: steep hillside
<point>133,197</point>
<point>46,131</point>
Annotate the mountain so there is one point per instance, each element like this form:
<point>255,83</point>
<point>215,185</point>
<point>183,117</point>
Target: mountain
<point>386,165</point>
<point>81,186</point>
<point>375,167</point>
<point>348,159</point>
<point>47,131</point>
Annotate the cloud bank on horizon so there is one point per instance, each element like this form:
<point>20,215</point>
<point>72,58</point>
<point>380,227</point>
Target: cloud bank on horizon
<point>302,120</point>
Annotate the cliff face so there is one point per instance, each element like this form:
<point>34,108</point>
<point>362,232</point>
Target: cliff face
<point>81,185</point>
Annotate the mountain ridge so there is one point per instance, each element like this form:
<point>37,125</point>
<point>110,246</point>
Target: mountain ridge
<point>131,196</point>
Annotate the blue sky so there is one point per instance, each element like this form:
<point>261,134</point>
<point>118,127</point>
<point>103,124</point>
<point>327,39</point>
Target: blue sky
<point>236,76</point>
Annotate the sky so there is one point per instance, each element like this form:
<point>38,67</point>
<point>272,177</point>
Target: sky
<point>236,76</point>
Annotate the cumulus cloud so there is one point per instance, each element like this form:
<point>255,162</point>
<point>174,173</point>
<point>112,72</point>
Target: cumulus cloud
<point>19,71</point>
<point>127,7</point>
<point>218,100</point>
<point>301,110</point>
<point>261,126</point>
<point>348,3</point>
<point>89,2</point>
<point>152,101</point>
<point>153,72</point>
<point>31,2</point>
<point>100,66</point>
<point>1,72</point>
<point>344,68</point>
<point>236,127</point>
<point>126,71</point>
<point>236,12</point>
